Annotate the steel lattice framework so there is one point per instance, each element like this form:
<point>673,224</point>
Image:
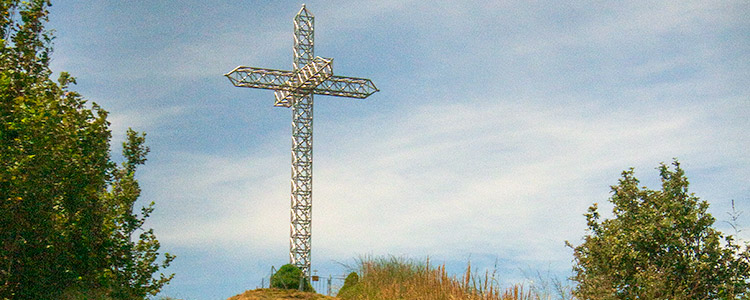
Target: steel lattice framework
<point>295,89</point>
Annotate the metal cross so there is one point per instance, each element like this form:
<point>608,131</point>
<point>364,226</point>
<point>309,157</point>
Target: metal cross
<point>295,89</point>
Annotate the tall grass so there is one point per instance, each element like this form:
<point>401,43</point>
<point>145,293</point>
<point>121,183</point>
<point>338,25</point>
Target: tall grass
<point>397,278</point>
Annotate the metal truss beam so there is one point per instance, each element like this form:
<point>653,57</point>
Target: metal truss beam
<point>300,239</point>
<point>270,79</point>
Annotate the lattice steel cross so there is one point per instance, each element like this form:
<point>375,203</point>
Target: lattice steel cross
<point>295,89</point>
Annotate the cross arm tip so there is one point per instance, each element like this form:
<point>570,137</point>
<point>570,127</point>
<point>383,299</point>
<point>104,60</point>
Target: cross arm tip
<point>232,71</point>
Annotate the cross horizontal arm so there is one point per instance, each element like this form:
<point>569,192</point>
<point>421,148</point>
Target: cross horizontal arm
<point>339,86</point>
<point>259,78</point>
<point>306,78</point>
<point>351,87</point>
<point>279,80</point>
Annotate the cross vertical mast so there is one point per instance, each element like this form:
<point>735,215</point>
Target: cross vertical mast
<point>302,156</point>
<point>295,89</point>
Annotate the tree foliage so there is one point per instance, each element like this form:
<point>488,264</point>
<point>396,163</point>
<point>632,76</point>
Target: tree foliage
<point>659,245</point>
<point>288,277</point>
<point>66,209</point>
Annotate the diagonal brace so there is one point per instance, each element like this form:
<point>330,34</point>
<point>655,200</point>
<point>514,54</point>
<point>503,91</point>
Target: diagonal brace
<point>304,80</point>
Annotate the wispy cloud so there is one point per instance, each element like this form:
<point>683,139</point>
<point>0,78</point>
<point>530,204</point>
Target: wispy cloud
<point>448,176</point>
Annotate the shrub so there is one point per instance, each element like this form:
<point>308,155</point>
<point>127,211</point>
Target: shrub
<point>288,277</point>
<point>349,283</point>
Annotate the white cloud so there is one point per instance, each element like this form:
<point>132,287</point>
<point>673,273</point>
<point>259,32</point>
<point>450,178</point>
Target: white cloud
<point>450,177</point>
<point>219,200</point>
<point>140,119</point>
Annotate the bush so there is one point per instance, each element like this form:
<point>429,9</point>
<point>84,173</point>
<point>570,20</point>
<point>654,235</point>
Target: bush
<point>349,283</point>
<point>288,277</point>
<point>659,245</point>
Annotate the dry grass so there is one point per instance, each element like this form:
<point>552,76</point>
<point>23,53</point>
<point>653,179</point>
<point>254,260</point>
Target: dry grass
<point>393,278</point>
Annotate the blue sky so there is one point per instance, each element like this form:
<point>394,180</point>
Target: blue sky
<point>497,124</point>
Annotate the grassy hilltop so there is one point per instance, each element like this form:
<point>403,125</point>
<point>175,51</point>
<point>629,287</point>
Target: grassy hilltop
<point>263,294</point>
<point>393,278</point>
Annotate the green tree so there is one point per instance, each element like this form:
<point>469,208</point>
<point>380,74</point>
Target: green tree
<point>66,209</point>
<point>658,245</point>
<point>288,277</point>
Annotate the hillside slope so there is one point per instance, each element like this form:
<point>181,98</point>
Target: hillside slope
<point>263,294</point>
